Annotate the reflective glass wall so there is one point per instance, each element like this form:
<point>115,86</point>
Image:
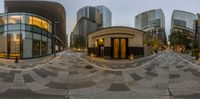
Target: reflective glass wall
<point>25,35</point>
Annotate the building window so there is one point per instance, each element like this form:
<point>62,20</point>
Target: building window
<point>14,19</point>
<point>3,45</point>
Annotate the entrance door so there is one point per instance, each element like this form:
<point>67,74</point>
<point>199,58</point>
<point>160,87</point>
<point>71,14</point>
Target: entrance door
<point>119,46</point>
<point>14,40</point>
<point>101,50</point>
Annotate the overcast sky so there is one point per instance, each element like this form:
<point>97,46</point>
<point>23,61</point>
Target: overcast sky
<point>124,11</point>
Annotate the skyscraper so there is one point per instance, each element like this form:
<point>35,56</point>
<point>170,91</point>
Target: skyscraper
<point>89,19</point>
<point>184,22</point>
<point>153,23</point>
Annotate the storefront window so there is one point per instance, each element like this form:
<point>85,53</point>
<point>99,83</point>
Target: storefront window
<point>3,45</point>
<point>27,44</point>
<point>3,20</point>
<point>14,19</point>
<point>24,35</point>
<point>14,39</point>
<point>49,46</point>
<point>37,21</point>
<point>36,45</point>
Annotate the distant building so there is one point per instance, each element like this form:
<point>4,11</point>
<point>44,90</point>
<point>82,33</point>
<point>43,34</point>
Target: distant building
<point>89,19</point>
<point>197,30</point>
<point>153,23</point>
<point>184,22</point>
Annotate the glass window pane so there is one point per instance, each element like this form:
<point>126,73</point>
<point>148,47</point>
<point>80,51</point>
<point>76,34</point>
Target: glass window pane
<point>14,44</point>
<point>14,19</point>
<point>3,28</point>
<point>14,27</point>
<point>3,45</point>
<point>3,20</point>
<point>37,21</point>
<point>26,35</point>
<point>44,25</point>
<point>49,46</point>
<point>27,48</point>
<point>36,36</point>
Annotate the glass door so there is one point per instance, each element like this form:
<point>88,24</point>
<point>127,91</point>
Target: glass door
<point>123,48</point>
<point>14,41</point>
<point>119,46</point>
<point>116,48</point>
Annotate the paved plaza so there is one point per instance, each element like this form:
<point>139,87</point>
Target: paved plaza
<point>72,75</point>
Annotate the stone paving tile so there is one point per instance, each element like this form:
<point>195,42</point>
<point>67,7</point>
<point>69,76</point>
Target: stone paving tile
<point>73,72</point>
<point>70,85</point>
<point>44,73</point>
<point>135,77</point>
<point>173,76</point>
<point>118,87</point>
<point>24,93</point>
<point>28,78</point>
<point>113,72</point>
<point>152,74</point>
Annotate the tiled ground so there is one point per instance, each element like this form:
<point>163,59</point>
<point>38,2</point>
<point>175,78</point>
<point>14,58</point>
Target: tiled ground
<point>165,76</point>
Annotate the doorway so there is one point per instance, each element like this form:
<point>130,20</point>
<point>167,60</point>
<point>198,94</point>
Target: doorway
<point>14,42</point>
<point>119,48</point>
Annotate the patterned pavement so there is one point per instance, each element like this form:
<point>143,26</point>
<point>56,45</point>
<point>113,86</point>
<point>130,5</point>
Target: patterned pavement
<point>164,76</point>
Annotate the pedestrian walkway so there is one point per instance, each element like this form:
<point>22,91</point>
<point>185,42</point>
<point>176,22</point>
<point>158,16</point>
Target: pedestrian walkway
<point>26,63</point>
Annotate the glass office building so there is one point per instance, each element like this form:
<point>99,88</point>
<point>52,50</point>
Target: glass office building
<point>25,35</point>
<point>184,22</point>
<point>31,31</point>
<point>153,23</point>
<point>183,19</point>
<point>89,19</point>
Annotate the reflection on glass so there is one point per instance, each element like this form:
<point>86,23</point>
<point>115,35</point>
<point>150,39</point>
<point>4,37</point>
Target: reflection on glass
<point>14,44</point>
<point>3,45</point>
<point>14,19</point>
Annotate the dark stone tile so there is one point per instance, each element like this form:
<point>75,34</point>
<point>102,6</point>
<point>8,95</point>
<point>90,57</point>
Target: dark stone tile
<point>28,78</point>
<point>150,68</point>
<point>152,74</point>
<point>93,71</point>
<point>166,67</point>
<point>12,66</point>
<point>62,63</point>
<point>1,64</point>
<point>113,72</point>
<point>9,77</point>
<point>73,72</point>
<point>195,72</point>
<point>187,69</point>
<point>173,76</point>
<point>77,85</point>
<point>118,87</point>
<point>25,93</point>
<point>192,96</point>
<point>135,77</point>
<point>180,66</point>
<point>44,73</point>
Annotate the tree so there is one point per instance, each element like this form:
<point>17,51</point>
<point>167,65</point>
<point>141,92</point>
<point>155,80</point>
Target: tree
<point>177,40</point>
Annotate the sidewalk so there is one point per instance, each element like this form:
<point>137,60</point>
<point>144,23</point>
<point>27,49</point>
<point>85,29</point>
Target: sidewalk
<point>27,63</point>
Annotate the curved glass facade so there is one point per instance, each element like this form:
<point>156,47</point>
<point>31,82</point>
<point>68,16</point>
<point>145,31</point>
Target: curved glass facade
<point>25,35</point>
<point>150,18</point>
<point>183,19</point>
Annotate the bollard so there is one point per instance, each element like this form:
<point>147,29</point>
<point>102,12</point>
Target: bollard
<point>16,59</point>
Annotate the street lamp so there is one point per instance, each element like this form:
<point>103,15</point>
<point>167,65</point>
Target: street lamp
<point>54,38</point>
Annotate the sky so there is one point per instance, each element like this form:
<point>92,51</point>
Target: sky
<point>124,11</point>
